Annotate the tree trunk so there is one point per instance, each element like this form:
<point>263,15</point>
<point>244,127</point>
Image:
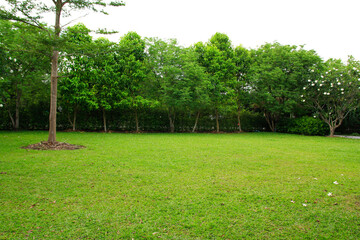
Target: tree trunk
<point>332,131</point>
<point>11,119</point>
<point>17,109</point>
<point>104,119</point>
<point>172,122</point>
<point>74,121</point>
<point>217,121</point>
<point>270,121</point>
<point>196,121</point>
<point>54,78</point>
<point>137,121</point>
<point>238,117</point>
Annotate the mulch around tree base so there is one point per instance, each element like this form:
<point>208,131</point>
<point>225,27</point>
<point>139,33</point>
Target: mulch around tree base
<point>53,146</point>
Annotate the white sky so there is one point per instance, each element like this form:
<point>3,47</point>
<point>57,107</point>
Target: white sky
<point>330,27</point>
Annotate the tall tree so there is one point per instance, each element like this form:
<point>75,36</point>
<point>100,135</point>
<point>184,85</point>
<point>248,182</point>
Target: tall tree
<point>133,74</point>
<point>217,58</point>
<point>105,77</point>
<point>22,70</point>
<point>75,86</point>
<point>179,78</point>
<point>334,92</point>
<point>277,76</point>
<point>30,12</point>
<point>243,60</point>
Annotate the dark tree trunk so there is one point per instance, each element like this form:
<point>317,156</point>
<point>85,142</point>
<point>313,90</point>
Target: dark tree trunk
<point>196,121</point>
<point>217,121</point>
<point>172,121</point>
<point>11,119</point>
<point>238,118</point>
<point>271,121</point>
<point>74,119</point>
<point>137,121</point>
<point>17,109</point>
<point>104,120</point>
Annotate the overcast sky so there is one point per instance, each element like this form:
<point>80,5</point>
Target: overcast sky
<point>330,27</point>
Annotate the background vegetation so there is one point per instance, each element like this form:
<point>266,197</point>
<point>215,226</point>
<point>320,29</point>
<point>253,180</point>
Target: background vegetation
<point>152,84</point>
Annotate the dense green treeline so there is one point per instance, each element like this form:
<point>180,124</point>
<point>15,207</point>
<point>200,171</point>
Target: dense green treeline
<point>151,84</point>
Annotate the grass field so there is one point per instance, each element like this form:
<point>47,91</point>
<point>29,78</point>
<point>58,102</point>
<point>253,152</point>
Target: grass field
<point>180,186</point>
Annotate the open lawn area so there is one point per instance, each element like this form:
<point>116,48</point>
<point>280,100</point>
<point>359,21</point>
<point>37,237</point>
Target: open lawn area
<point>180,186</point>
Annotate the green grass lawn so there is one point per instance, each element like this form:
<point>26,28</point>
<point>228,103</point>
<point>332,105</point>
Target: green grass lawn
<point>180,186</point>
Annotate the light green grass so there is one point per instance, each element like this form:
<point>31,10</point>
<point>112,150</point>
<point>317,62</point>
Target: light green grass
<point>180,186</point>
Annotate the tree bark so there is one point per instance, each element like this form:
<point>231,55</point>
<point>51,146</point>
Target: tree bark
<point>137,121</point>
<point>11,119</point>
<point>196,121</point>
<point>238,117</point>
<point>217,121</point>
<point>104,119</point>
<point>17,109</point>
<point>54,77</point>
<point>74,119</point>
<point>172,122</point>
<point>332,131</point>
<point>270,121</point>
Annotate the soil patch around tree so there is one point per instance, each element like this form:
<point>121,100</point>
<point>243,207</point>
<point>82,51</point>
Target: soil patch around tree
<point>44,145</point>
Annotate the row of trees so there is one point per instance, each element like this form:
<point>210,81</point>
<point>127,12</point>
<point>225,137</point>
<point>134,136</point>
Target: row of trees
<point>140,75</point>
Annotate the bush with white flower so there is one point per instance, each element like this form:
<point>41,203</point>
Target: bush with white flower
<point>334,92</point>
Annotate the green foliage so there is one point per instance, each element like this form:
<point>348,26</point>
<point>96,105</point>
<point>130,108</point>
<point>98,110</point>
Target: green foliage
<point>334,92</point>
<point>305,126</point>
<point>278,74</point>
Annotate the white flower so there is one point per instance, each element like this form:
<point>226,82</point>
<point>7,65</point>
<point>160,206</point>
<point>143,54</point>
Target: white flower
<point>304,204</point>
<point>1,105</point>
<point>302,95</point>
<point>339,83</point>
<point>342,92</point>
<point>320,84</point>
<point>292,201</point>
<point>330,194</point>
<point>315,178</point>
<point>309,80</point>
<point>342,89</point>
<point>325,93</point>
<point>305,87</point>
<point>328,93</point>
<point>312,84</point>
<point>335,182</point>
<point>303,100</point>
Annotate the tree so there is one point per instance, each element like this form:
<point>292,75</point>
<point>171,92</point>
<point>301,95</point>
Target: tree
<point>179,78</point>
<point>277,76</point>
<point>75,86</point>
<point>22,70</point>
<point>243,61</point>
<point>132,71</point>
<point>217,58</point>
<point>30,11</point>
<point>334,92</point>
<point>198,84</point>
<point>105,77</point>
